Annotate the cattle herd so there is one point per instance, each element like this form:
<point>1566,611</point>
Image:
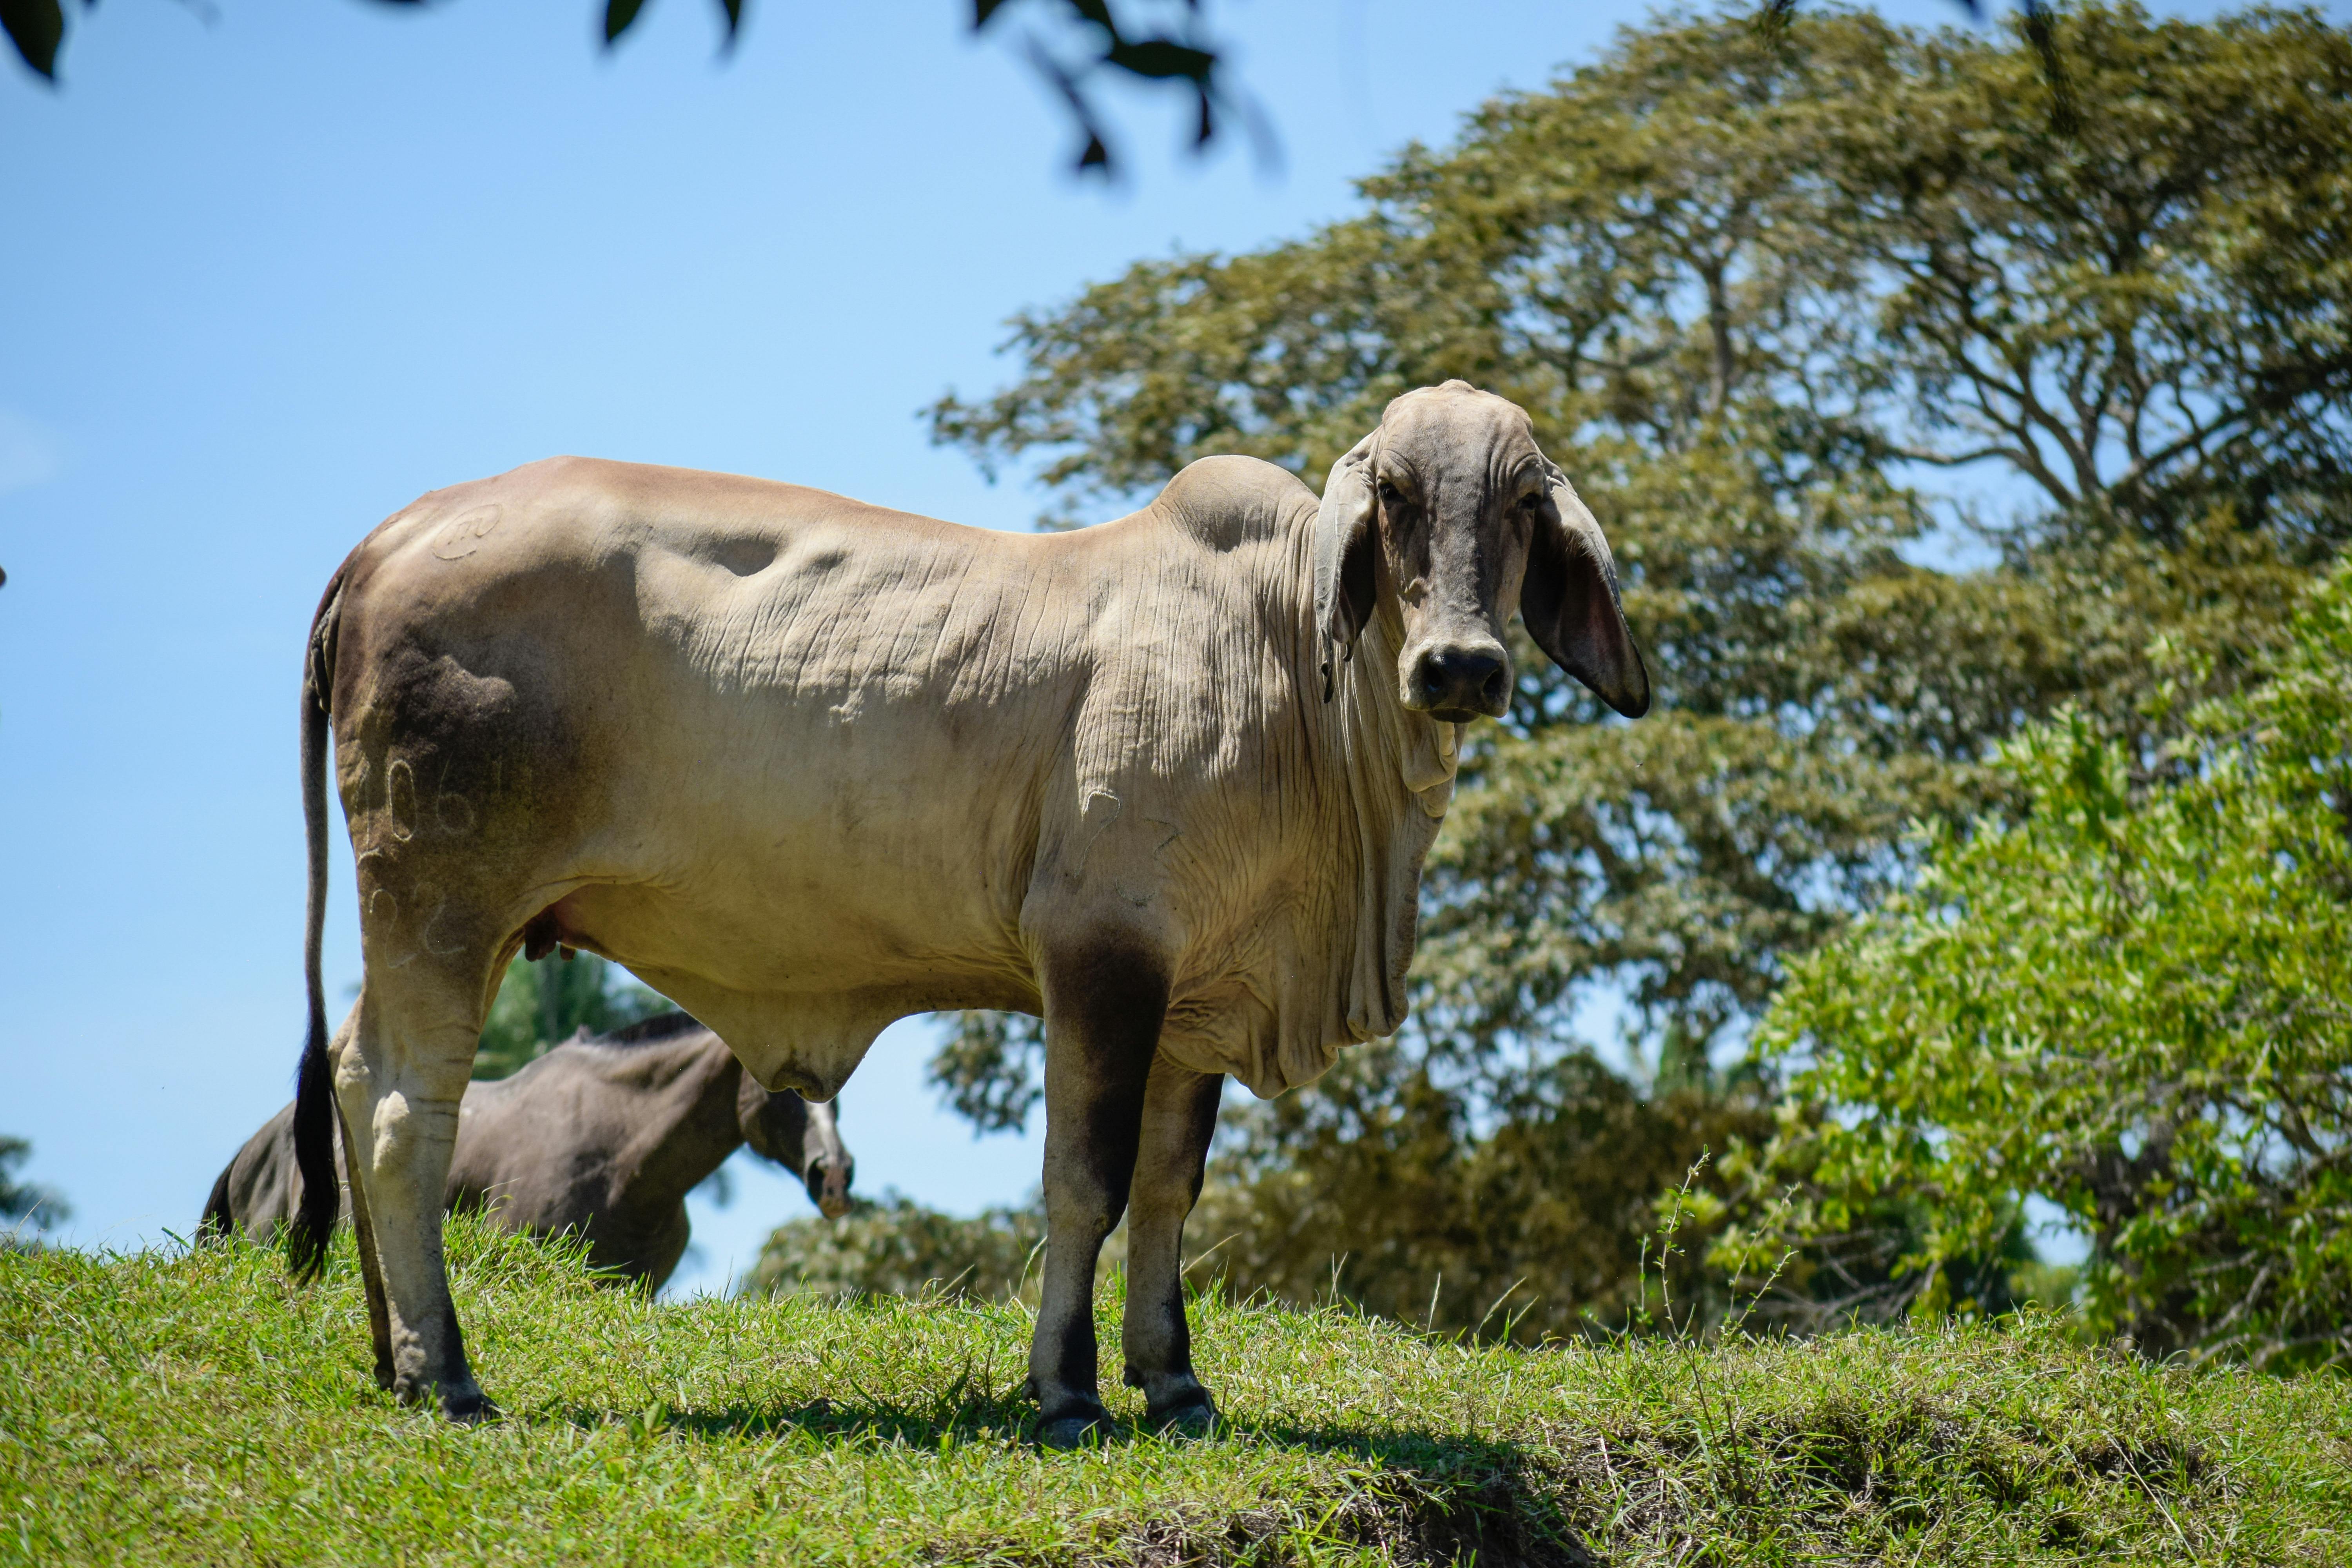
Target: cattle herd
<point>806,767</point>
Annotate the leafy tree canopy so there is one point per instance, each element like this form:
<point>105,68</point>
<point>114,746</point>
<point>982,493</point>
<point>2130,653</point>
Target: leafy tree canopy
<point>1090,41</point>
<point>544,1003</point>
<point>24,1202</point>
<point>1751,286</point>
<point>1742,286</point>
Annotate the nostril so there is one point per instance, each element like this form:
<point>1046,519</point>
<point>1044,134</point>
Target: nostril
<point>828,1189</point>
<point>1467,671</point>
<point>1462,680</point>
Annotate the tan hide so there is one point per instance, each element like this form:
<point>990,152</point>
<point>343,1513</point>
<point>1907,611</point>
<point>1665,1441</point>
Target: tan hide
<point>807,765</point>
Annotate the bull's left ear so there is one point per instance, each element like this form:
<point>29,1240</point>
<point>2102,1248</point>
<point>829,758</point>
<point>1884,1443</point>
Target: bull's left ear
<point>1345,581</point>
<point>1568,599</point>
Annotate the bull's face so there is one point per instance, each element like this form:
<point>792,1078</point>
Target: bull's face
<point>1451,514</point>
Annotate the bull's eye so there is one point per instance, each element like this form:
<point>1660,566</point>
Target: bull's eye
<point>1391,495</point>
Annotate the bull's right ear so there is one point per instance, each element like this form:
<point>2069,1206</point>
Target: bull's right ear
<point>1568,599</point>
<point>1344,540</point>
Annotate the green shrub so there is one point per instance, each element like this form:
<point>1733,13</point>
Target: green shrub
<point>2134,1003</point>
<point>895,1246</point>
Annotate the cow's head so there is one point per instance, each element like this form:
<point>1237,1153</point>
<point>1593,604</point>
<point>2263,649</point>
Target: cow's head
<point>802,1135</point>
<point>1450,508</point>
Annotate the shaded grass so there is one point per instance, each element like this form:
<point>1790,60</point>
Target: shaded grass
<point>196,1408</point>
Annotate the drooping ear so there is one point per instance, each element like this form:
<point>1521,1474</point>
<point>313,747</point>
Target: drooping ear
<point>1568,599</point>
<point>1344,540</point>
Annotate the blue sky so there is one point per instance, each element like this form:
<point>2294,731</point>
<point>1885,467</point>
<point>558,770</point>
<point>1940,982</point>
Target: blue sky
<point>277,272</point>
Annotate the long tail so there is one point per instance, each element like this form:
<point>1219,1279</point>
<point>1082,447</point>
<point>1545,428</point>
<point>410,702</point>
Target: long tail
<point>314,1095</point>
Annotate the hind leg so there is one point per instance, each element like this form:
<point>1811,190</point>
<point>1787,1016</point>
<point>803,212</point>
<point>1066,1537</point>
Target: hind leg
<point>363,1229</point>
<point>401,1066</point>
<point>371,1271</point>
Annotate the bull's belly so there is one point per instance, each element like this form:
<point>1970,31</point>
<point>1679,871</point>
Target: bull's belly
<point>802,935</point>
<point>798,955</point>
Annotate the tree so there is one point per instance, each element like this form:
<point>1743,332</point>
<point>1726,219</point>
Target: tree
<point>544,1003</point>
<point>22,1203</point>
<point>2134,1002</point>
<point>2142,317</point>
<point>1090,39</point>
<point>1540,1224</point>
<point>1741,281</point>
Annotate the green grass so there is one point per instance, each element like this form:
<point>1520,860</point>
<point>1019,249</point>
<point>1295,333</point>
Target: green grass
<point>196,1408</point>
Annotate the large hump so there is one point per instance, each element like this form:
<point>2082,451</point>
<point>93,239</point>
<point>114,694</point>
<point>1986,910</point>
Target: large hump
<point>1227,502</point>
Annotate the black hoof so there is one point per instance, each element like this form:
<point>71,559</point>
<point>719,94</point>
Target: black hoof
<point>467,1406</point>
<point>1075,1429</point>
<point>1194,1416</point>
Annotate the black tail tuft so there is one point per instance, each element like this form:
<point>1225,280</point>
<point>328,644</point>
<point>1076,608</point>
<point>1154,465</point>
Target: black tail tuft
<point>314,1156</point>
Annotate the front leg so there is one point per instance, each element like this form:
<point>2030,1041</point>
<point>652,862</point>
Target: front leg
<point>1104,1006</point>
<point>1179,1117</point>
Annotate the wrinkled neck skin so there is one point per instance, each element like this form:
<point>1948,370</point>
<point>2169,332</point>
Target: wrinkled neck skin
<point>684,1124</point>
<point>1399,768</point>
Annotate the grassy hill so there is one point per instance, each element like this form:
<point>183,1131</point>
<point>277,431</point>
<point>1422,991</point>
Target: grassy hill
<point>197,1409</point>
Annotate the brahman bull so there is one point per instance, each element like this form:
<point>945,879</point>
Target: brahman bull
<point>602,1137</point>
<point>807,766</point>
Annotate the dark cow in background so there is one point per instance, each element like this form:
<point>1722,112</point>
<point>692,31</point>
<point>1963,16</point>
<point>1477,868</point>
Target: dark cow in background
<point>602,1136</point>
